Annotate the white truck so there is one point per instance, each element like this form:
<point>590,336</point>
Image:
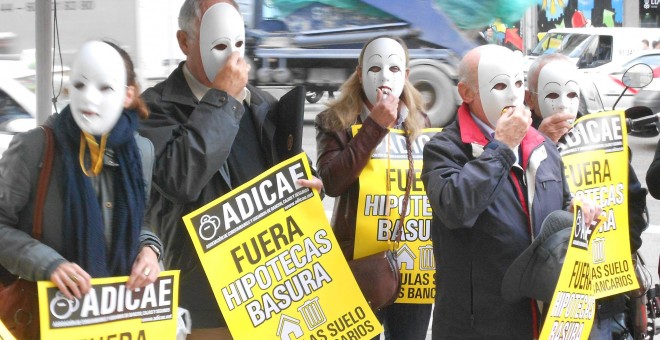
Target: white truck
<point>591,47</point>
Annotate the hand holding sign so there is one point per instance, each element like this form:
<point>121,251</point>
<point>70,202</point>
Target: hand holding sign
<point>590,210</point>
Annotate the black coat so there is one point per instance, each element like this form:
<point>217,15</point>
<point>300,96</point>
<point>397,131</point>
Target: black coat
<point>192,141</point>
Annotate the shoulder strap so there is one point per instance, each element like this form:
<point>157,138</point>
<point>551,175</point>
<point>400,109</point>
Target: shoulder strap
<point>406,196</point>
<point>44,180</point>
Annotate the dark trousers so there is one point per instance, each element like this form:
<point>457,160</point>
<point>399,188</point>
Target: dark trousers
<point>405,321</point>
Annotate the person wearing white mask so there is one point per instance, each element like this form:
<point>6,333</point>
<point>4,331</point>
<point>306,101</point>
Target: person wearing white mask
<point>204,120</point>
<point>94,206</point>
<point>553,95</point>
<point>379,96</point>
<point>491,180</point>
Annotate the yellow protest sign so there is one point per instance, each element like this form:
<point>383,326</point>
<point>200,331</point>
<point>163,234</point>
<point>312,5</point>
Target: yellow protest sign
<point>110,310</point>
<point>4,333</point>
<point>274,265</point>
<point>382,188</point>
<point>598,261</point>
<point>595,155</point>
<point>573,306</point>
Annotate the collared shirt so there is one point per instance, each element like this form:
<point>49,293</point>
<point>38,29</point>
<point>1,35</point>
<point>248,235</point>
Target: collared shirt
<point>199,90</point>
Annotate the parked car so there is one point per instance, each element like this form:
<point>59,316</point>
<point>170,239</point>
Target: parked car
<point>607,78</point>
<point>650,95</point>
<point>17,110</point>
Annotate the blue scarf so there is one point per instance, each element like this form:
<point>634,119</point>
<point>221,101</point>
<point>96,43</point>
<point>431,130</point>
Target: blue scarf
<point>83,231</point>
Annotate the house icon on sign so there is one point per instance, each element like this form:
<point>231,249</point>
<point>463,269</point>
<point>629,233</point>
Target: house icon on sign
<point>405,256</point>
<point>289,328</point>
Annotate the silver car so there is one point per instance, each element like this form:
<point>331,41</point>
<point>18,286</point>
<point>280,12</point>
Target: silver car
<point>650,95</point>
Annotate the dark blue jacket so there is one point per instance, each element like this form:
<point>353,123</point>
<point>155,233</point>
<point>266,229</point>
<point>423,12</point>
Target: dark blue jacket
<point>484,216</point>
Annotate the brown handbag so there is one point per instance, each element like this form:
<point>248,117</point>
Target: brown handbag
<point>19,302</point>
<point>378,275</point>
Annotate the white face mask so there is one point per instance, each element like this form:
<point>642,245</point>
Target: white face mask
<point>384,67</point>
<point>500,81</point>
<point>98,88</point>
<point>558,89</point>
<point>221,33</point>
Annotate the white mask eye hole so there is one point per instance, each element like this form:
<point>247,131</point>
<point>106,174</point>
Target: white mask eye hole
<point>239,44</point>
<point>552,95</point>
<point>519,84</point>
<point>499,87</point>
<point>375,69</point>
<point>395,69</point>
<point>106,88</point>
<point>572,95</point>
<point>79,85</point>
<point>220,47</point>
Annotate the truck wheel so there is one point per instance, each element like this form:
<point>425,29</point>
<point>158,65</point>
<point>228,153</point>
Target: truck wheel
<point>437,92</point>
<point>314,96</point>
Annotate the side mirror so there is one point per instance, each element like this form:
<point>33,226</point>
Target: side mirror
<point>638,76</point>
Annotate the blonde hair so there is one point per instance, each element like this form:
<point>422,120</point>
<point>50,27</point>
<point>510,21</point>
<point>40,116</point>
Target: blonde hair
<point>345,110</point>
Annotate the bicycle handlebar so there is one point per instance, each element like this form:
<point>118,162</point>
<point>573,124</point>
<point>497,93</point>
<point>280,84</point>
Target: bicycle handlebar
<point>640,123</point>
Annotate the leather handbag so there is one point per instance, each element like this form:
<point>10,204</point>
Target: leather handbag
<point>378,275</point>
<point>19,309</point>
<point>19,302</point>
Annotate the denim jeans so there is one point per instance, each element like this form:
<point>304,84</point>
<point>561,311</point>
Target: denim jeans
<point>405,321</point>
<point>603,329</point>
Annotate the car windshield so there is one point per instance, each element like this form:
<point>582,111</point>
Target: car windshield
<point>570,44</point>
<point>9,108</point>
